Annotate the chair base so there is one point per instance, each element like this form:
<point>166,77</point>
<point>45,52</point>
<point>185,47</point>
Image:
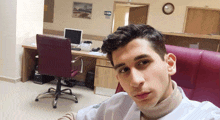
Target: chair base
<point>57,93</point>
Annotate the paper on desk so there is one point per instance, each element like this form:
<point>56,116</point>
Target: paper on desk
<point>97,53</point>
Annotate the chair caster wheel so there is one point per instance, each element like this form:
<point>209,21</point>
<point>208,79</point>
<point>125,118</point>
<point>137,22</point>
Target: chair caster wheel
<point>36,100</point>
<point>76,101</point>
<point>54,107</point>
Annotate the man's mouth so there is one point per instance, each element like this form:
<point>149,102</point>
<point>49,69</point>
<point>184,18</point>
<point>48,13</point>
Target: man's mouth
<point>142,96</point>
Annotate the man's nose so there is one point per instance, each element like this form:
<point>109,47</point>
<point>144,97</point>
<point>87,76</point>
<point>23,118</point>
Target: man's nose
<point>136,78</point>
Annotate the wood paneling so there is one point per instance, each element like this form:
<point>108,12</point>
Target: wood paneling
<point>28,62</point>
<point>193,21</point>
<point>204,43</point>
<point>218,49</point>
<point>210,22</point>
<point>138,15</point>
<point>105,77</point>
<point>102,62</point>
<point>202,21</point>
<point>214,37</point>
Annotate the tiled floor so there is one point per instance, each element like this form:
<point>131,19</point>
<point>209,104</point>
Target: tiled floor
<point>17,101</point>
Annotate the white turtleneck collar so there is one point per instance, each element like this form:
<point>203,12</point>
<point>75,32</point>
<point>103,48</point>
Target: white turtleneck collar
<point>164,107</point>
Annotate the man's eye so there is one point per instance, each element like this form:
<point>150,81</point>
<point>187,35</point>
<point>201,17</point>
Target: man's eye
<point>143,62</point>
<point>123,70</point>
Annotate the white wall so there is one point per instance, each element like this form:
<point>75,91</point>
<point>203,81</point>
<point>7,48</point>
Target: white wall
<point>20,21</point>
<point>8,38</point>
<point>29,23</point>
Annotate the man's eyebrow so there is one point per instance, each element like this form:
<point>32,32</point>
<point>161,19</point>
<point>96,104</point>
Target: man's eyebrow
<point>119,65</point>
<point>141,56</point>
<point>136,58</point>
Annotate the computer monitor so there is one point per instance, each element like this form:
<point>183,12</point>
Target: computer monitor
<point>74,35</point>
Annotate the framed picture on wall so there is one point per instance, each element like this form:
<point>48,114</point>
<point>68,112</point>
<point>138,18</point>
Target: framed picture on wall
<point>82,10</point>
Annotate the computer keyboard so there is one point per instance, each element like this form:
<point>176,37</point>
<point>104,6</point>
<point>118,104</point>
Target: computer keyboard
<point>77,49</point>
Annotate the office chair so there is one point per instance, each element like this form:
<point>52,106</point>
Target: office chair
<point>198,73</point>
<point>55,59</point>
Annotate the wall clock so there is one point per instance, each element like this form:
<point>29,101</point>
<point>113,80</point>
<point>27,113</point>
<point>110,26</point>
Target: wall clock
<point>168,8</point>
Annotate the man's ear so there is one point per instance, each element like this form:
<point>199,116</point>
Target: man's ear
<point>171,63</point>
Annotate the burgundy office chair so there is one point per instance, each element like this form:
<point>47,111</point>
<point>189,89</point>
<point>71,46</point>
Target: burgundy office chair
<point>55,59</point>
<point>198,73</point>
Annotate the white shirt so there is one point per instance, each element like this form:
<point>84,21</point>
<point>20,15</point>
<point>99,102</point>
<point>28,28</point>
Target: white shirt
<point>121,107</point>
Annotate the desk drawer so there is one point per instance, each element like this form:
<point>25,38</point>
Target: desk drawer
<point>102,62</point>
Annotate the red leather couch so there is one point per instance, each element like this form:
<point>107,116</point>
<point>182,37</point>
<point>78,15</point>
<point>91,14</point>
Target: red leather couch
<point>198,73</point>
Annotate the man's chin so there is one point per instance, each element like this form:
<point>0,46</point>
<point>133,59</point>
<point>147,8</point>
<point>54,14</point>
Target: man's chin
<point>145,104</point>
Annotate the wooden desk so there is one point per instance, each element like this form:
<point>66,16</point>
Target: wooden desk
<point>104,73</point>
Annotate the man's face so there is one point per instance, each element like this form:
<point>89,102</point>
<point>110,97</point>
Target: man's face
<point>143,74</point>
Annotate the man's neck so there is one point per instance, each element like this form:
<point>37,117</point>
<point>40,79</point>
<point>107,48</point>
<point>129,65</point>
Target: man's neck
<point>169,90</point>
<point>164,107</point>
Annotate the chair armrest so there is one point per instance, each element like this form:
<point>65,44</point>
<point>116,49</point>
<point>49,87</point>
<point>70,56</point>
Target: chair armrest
<point>73,61</point>
<point>76,58</point>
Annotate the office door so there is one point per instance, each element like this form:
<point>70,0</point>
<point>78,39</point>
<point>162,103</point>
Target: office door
<point>48,10</point>
<point>129,13</point>
<point>138,15</point>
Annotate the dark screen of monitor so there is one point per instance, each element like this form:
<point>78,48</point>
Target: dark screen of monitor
<point>74,35</point>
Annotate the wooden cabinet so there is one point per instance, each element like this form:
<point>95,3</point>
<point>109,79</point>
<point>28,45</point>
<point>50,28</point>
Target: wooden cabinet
<point>105,74</point>
<point>202,21</point>
<point>103,62</point>
<point>205,42</point>
<point>201,28</point>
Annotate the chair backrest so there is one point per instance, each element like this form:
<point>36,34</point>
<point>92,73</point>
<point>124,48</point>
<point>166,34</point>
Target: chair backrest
<point>54,55</point>
<point>187,65</point>
<point>208,78</point>
<point>198,73</point>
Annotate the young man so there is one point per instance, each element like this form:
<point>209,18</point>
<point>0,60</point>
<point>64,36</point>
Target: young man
<point>144,70</point>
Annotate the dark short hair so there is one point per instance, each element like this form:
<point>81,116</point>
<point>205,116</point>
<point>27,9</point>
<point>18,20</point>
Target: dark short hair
<point>123,35</point>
